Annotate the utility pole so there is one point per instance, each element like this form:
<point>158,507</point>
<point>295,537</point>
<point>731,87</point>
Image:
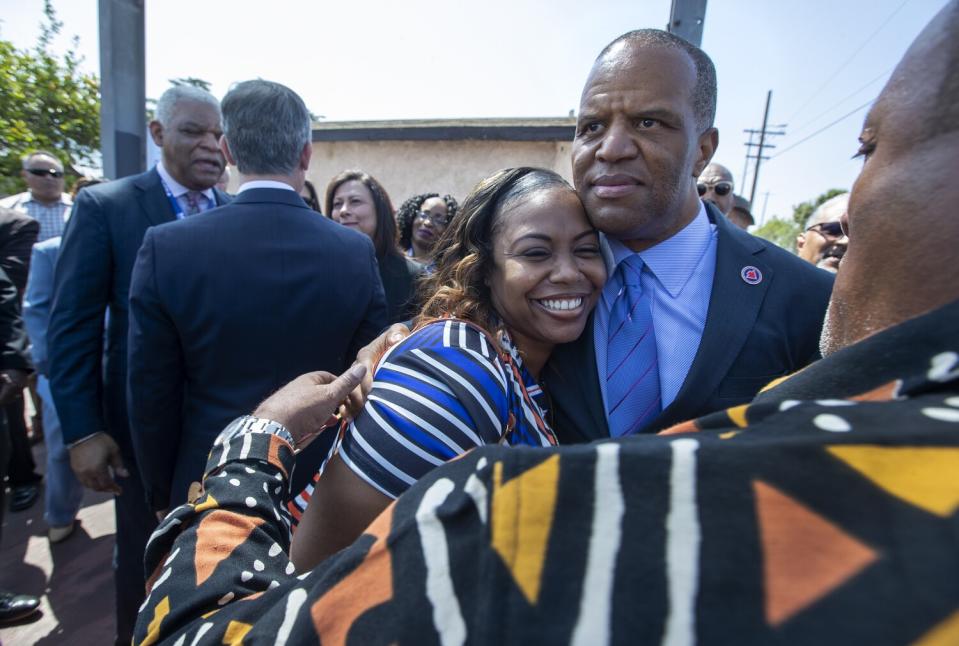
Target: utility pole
<point>686,18</point>
<point>742,178</point>
<point>122,87</point>
<point>762,145</point>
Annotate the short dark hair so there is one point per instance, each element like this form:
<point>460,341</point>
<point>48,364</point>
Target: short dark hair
<point>410,209</point>
<point>464,253</point>
<point>384,240</point>
<point>25,160</point>
<point>266,126</point>
<point>704,93</point>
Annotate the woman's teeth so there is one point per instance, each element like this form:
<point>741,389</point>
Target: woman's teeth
<point>561,304</point>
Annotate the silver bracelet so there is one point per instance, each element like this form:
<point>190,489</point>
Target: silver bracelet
<point>83,439</point>
<point>251,424</point>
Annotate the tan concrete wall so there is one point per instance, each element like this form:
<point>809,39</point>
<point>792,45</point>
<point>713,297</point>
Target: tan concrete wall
<point>407,168</point>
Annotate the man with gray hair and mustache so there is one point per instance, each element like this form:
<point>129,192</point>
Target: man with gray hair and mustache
<point>823,242</point>
<point>88,367</point>
<point>226,308</point>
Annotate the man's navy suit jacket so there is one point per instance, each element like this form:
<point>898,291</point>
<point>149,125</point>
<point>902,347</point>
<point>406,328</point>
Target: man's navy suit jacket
<point>754,333</point>
<point>230,305</point>
<point>100,243</point>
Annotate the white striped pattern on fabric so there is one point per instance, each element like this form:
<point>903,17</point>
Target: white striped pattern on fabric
<point>683,537</point>
<point>416,419</point>
<point>439,410</point>
<point>461,381</point>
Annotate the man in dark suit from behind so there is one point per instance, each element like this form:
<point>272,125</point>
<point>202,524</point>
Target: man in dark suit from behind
<point>18,233</point>
<point>713,312</point>
<point>91,288</point>
<point>227,307</point>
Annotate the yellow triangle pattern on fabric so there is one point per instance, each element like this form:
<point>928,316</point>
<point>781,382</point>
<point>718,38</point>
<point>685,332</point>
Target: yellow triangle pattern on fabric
<point>159,614</point>
<point>738,415</point>
<point>924,476</point>
<point>521,519</point>
<point>943,634</point>
<point>235,632</point>
<point>209,503</point>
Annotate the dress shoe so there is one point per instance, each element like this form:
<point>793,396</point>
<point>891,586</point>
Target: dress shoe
<point>24,496</point>
<point>14,607</point>
<point>57,534</point>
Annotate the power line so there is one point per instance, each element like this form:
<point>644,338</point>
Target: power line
<point>823,129</point>
<point>842,100</point>
<point>848,60</point>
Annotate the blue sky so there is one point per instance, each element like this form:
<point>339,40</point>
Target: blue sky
<point>514,58</point>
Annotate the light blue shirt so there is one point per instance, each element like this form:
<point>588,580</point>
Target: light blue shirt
<point>678,274</point>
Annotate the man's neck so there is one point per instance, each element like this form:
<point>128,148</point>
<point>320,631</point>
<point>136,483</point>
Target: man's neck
<point>44,202</point>
<point>289,180</point>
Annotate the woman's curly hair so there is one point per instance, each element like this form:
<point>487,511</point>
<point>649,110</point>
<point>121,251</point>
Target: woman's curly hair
<point>464,253</point>
<point>410,210</point>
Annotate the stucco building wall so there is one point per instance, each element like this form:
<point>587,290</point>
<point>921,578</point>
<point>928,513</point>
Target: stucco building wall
<point>406,168</point>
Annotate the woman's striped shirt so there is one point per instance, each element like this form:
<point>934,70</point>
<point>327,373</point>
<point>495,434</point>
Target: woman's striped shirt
<point>442,391</point>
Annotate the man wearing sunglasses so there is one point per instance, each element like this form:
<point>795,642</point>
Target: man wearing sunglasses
<point>716,185</point>
<point>45,200</point>
<point>823,243</point>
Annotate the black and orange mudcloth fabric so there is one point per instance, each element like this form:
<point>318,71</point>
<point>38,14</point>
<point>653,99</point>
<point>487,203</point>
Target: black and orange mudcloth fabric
<point>825,513</point>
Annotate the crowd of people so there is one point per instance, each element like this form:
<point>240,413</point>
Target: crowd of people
<point>768,439</point>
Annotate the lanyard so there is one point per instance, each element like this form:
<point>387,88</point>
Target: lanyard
<point>175,203</point>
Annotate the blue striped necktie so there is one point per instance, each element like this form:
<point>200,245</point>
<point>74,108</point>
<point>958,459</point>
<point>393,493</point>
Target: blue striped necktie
<point>632,368</point>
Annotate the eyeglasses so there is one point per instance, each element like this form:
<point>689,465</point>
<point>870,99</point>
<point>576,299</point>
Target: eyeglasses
<point>828,229</point>
<point>440,220</point>
<point>46,172</point>
<point>721,188</point>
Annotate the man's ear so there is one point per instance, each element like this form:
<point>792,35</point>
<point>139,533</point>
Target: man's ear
<point>225,149</point>
<point>800,242</point>
<point>156,131</point>
<point>305,155</point>
<point>707,145</point>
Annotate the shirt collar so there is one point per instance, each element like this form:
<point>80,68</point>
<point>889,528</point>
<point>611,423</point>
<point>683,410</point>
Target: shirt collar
<point>264,183</point>
<point>65,199</point>
<point>674,260</point>
<point>178,189</point>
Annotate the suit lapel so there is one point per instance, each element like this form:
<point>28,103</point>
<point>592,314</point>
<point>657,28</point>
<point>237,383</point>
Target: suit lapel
<point>152,198</point>
<point>734,305</point>
<point>572,381</point>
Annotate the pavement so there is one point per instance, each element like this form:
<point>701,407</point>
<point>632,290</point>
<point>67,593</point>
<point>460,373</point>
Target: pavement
<point>75,576</point>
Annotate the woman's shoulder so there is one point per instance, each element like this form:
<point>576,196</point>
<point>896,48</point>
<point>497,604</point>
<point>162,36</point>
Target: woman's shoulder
<point>450,339</point>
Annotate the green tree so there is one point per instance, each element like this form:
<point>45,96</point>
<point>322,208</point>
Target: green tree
<point>784,232</point>
<point>46,102</point>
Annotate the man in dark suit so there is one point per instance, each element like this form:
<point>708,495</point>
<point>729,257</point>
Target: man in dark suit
<point>715,313</point>
<point>18,232</point>
<point>228,307</point>
<point>91,287</point>
<point>14,366</point>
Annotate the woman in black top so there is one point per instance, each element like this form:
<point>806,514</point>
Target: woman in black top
<point>356,200</point>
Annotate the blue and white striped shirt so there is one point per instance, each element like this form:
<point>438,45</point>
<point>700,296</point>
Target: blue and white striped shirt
<point>679,272</point>
<point>439,393</point>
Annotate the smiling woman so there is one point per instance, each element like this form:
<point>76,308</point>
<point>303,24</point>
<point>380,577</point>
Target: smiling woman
<point>517,272</point>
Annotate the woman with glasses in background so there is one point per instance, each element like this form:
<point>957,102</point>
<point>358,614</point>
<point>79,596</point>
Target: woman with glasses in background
<point>357,200</point>
<point>422,219</point>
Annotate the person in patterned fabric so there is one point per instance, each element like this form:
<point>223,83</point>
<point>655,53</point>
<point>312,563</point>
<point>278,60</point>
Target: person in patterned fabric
<point>825,512</point>
<point>519,271</point>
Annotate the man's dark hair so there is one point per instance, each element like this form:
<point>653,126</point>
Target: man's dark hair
<point>704,93</point>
